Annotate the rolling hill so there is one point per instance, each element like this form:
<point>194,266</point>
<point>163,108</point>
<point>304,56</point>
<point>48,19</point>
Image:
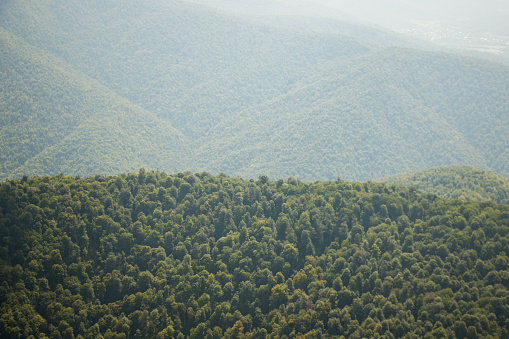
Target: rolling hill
<point>456,182</point>
<point>55,119</point>
<point>92,87</point>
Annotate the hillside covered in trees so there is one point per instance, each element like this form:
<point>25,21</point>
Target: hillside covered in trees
<point>144,255</point>
<point>456,182</point>
<point>108,87</point>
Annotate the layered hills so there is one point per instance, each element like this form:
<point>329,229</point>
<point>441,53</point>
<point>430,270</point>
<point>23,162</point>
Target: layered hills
<point>91,87</point>
<point>456,182</point>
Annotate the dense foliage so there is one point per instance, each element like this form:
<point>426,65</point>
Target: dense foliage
<point>148,255</point>
<point>216,92</point>
<point>54,119</point>
<point>456,182</point>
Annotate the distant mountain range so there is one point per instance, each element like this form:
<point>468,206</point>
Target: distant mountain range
<point>475,28</point>
<point>107,87</point>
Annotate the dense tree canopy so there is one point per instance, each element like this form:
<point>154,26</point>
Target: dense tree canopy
<point>456,182</point>
<point>147,254</point>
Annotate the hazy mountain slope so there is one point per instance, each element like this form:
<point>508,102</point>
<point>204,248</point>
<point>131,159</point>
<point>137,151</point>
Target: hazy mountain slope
<point>181,61</point>
<point>218,92</point>
<point>456,182</point>
<point>360,31</point>
<point>391,111</point>
<point>277,8</point>
<point>473,28</point>
<point>56,120</point>
<point>470,27</point>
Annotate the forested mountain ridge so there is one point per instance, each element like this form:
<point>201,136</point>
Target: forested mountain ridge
<point>56,119</point>
<point>179,60</point>
<point>151,255</point>
<point>226,93</point>
<point>456,182</point>
<point>369,116</point>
